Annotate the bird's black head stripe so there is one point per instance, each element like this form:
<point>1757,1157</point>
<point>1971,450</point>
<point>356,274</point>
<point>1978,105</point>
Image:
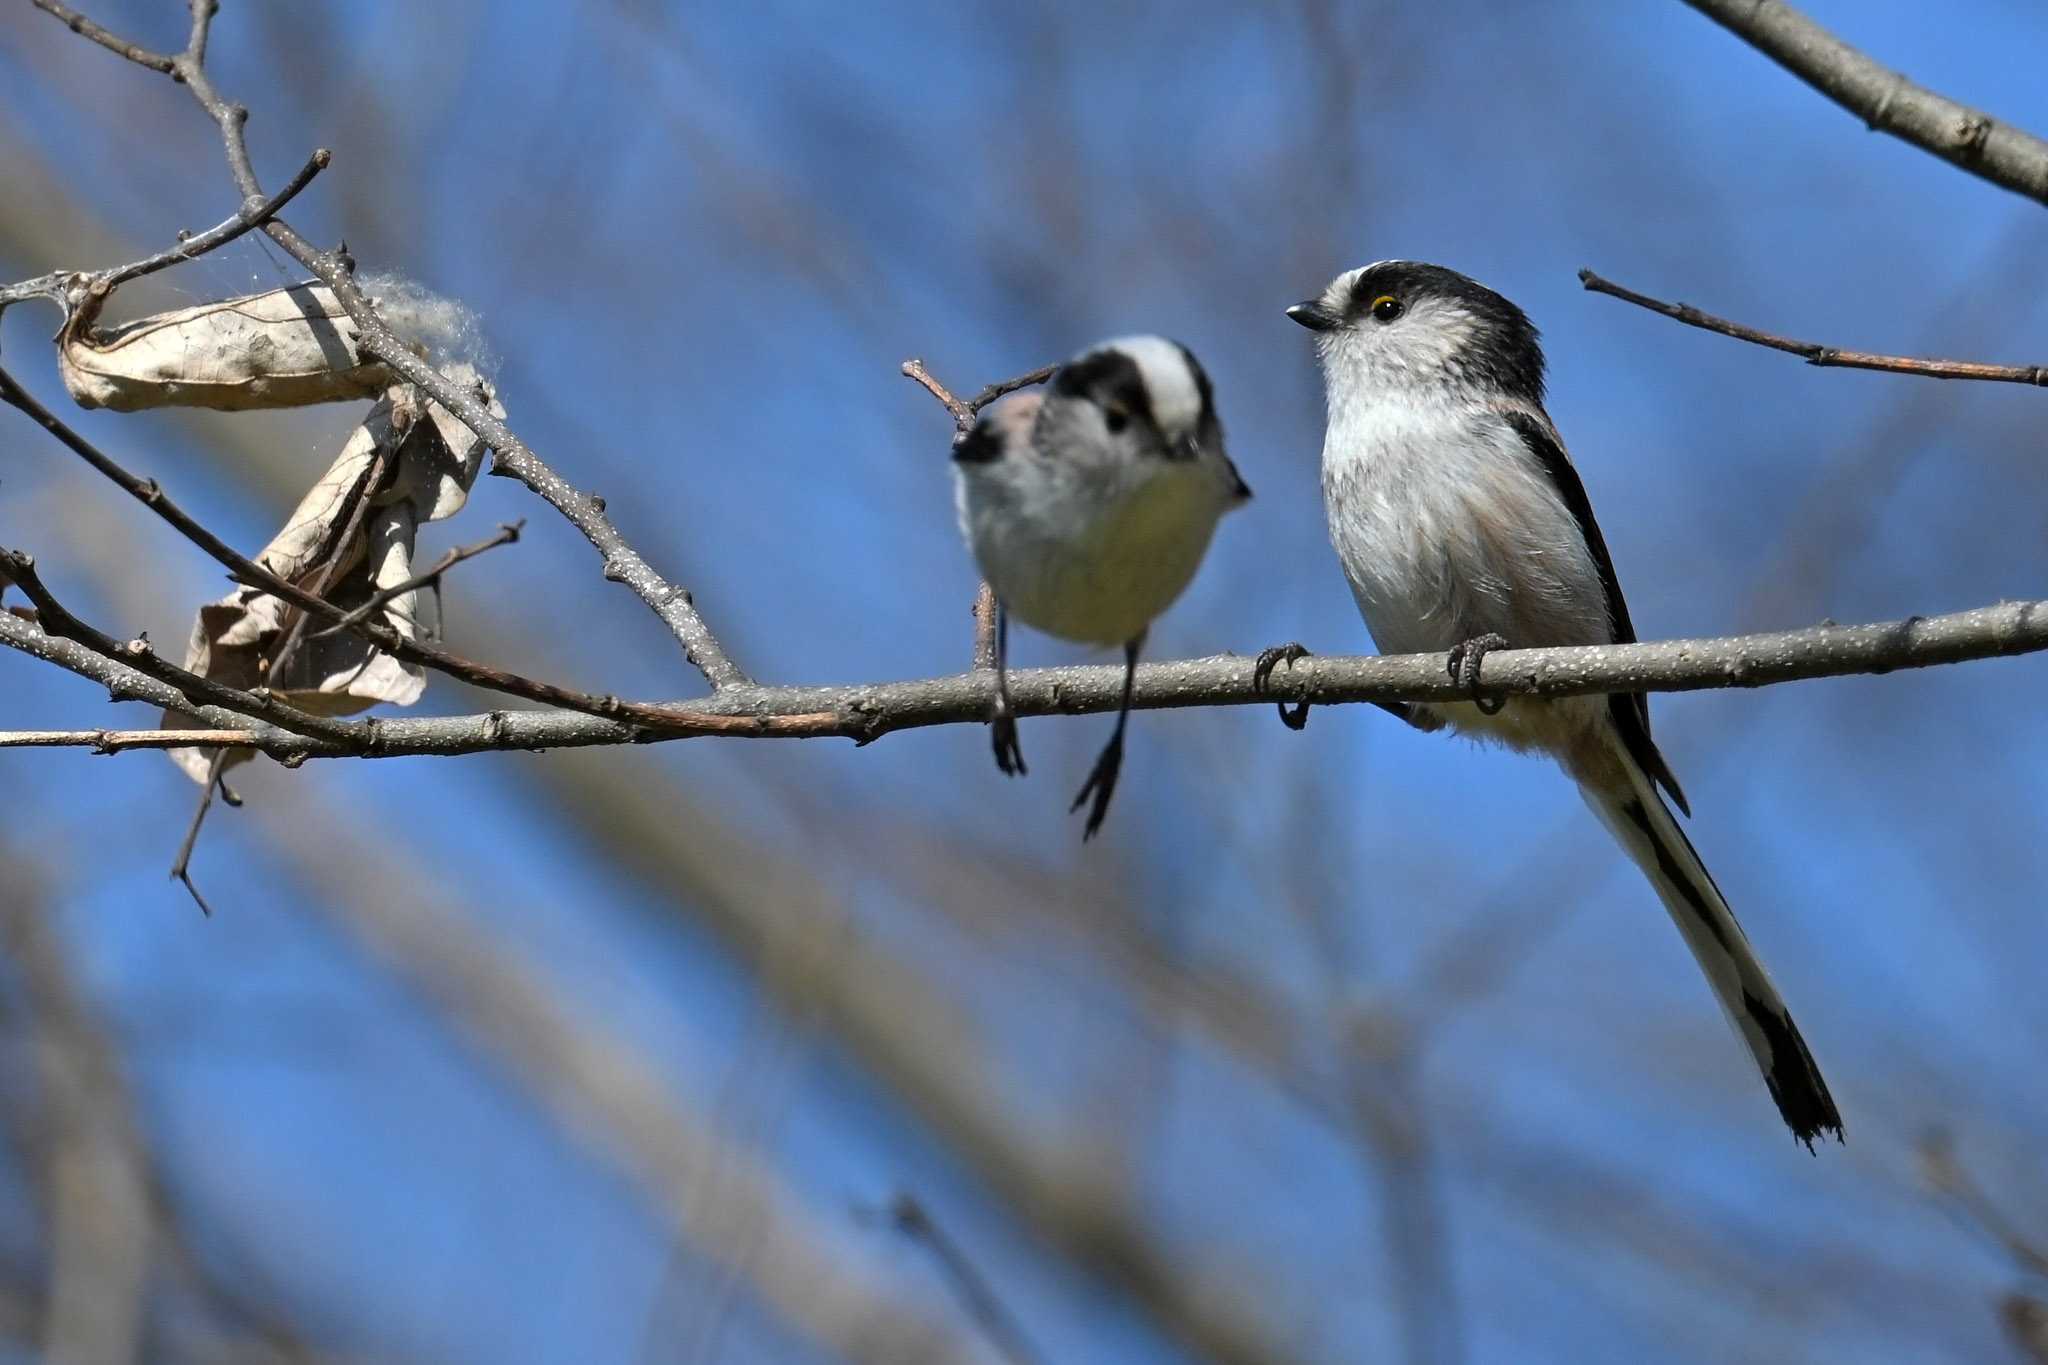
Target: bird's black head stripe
<point>980,445</point>
<point>1506,353</point>
<point>1110,378</point>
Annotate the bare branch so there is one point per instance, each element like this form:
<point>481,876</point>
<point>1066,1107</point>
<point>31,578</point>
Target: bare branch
<point>113,741</point>
<point>254,213</point>
<point>1885,100</point>
<point>56,619</point>
<point>64,286</point>
<point>586,512</point>
<point>866,713</point>
<point>964,410</point>
<point>1813,352</point>
<point>122,682</point>
<point>1008,386</point>
<point>86,28</point>
<point>963,416</point>
<point>508,532</point>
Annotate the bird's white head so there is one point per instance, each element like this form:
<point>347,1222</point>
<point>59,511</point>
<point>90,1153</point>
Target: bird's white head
<point>1423,329</point>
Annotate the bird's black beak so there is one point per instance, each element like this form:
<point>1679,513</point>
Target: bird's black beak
<point>1311,314</point>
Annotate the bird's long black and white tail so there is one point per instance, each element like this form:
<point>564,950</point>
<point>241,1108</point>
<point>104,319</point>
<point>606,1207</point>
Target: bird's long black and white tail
<point>1639,818</point>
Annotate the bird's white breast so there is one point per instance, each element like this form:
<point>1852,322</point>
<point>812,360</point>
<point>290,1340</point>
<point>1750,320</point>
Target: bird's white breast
<point>1448,528</point>
<point>1094,566</point>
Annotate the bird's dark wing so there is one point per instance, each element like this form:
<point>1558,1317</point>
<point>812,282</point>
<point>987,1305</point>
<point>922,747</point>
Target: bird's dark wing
<point>1631,709</point>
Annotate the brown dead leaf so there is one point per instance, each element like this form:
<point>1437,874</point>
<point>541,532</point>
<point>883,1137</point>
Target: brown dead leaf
<point>282,349</point>
<point>432,461</point>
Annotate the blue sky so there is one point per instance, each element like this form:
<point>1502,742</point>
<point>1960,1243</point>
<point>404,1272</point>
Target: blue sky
<point>701,244</point>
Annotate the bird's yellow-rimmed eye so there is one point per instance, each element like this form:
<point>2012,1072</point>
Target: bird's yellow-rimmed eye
<point>1386,308</point>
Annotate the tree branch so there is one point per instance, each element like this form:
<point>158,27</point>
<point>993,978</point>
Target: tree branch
<point>965,410</point>
<point>586,512</point>
<point>253,574</point>
<point>508,533</point>
<point>866,713</point>
<point>1813,352</point>
<point>1884,99</point>
<point>63,285</point>
<point>122,682</point>
<point>113,741</point>
<point>86,28</point>
<point>56,619</point>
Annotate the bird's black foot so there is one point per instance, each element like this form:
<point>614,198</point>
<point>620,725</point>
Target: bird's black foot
<point>1101,784</point>
<point>1262,673</point>
<point>1463,666</point>
<point>1002,731</point>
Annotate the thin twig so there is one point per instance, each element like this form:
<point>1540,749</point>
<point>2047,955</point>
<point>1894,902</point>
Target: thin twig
<point>67,287</point>
<point>181,864</point>
<point>253,214</point>
<point>979,1297</point>
<point>113,741</point>
<point>866,713</point>
<point>963,413</point>
<point>122,682</point>
<point>1003,387</point>
<point>1885,100</point>
<point>965,410</point>
<point>86,28</point>
<point>1813,352</point>
<point>508,533</point>
<point>622,563</point>
<point>963,416</point>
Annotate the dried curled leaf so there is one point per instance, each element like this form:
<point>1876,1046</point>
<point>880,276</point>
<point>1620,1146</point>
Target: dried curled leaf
<point>286,348</point>
<point>423,461</point>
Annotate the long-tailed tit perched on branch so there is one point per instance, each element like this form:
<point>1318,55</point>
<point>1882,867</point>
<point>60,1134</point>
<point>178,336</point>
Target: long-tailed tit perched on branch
<point>1089,505</point>
<point>1462,526</point>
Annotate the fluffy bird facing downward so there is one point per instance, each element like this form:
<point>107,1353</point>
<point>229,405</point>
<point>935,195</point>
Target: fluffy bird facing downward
<point>1462,527</point>
<point>1089,506</point>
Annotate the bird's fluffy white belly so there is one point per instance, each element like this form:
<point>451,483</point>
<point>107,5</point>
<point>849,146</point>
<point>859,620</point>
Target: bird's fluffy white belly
<point>1404,531</point>
<point>1104,586</point>
<point>1448,531</point>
